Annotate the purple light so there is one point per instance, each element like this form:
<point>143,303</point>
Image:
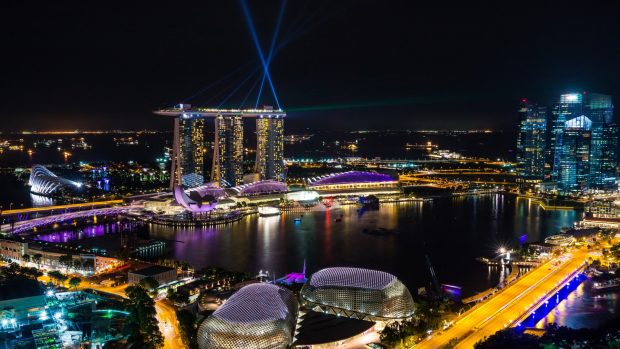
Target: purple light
<point>352,177</point>
<point>189,204</point>
<point>261,188</point>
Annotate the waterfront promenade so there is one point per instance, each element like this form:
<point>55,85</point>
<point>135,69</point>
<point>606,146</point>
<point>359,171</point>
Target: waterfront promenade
<point>503,309</point>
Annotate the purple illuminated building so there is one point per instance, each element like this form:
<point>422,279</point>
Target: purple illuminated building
<point>260,188</point>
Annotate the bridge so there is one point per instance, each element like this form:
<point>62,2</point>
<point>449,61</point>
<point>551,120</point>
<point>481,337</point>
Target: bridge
<point>508,306</point>
<point>27,213</point>
<point>26,225</point>
<point>436,178</point>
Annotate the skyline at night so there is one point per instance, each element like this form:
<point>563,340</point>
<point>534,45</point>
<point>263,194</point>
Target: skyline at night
<point>303,174</point>
<point>361,62</point>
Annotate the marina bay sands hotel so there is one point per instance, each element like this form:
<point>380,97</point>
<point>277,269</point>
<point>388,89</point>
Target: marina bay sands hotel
<point>189,146</point>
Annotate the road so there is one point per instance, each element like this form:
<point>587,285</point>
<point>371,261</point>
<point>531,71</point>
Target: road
<point>506,306</point>
<point>91,205</point>
<point>166,316</point>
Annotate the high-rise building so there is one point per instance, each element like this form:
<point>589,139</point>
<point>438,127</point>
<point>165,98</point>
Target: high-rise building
<point>603,149</point>
<point>574,154</point>
<point>591,122</point>
<point>227,168</point>
<point>192,150</point>
<point>189,147</point>
<point>531,142</point>
<point>270,147</point>
<point>570,106</point>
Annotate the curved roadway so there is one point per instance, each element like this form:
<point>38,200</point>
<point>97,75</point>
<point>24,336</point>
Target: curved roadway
<point>508,305</point>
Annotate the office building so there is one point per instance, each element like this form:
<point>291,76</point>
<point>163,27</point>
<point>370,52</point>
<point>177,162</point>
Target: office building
<point>192,151</point>
<point>227,168</point>
<point>584,140</point>
<point>574,154</point>
<point>603,148</point>
<point>270,147</point>
<point>531,142</point>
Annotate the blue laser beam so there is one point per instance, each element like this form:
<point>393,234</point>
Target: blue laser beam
<point>242,104</point>
<point>250,23</point>
<point>226,88</point>
<point>220,80</point>
<point>271,49</point>
<point>237,88</point>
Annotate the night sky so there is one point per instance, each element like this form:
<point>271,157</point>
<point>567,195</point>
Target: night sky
<point>339,64</point>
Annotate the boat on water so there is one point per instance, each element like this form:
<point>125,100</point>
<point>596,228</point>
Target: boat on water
<point>266,211</point>
<point>608,285</point>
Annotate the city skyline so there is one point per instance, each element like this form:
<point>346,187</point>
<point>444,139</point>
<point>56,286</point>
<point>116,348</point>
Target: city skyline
<point>310,173</point>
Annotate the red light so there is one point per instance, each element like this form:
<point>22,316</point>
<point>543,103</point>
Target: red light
<point>523,100</point>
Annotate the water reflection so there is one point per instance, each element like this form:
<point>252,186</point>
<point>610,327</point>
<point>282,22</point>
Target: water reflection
<point>40,200</point>
<point>583,308</point>
<point>454,230</point>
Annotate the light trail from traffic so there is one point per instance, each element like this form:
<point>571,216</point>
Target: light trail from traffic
<point>61,207</point>
<point>503,309</point>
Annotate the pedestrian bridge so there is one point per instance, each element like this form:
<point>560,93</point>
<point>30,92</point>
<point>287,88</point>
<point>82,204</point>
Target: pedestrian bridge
<point>26,225</point>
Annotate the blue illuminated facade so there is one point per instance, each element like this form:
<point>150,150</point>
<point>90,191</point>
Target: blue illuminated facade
<point>584,140</point>
<point>531,142</point>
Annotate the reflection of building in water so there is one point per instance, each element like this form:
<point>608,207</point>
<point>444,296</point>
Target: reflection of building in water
<point>39,200</point>
<point>150,249</point>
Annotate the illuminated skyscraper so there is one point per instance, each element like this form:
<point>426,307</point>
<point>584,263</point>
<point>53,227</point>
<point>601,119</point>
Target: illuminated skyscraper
<point>192,150</point>
<point>588,118</point>
<point>227,167</point>
<point>531,142</point>
<point>570,106</point>
<point>189,147</point>
<point>270,147</point>
<point>603,149</point>
<point>574,154</point>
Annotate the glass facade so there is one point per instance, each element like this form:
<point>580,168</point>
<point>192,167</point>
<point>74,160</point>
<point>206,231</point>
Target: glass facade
<point>584,140</point>
<point>227,168</point>
<point>359,293</point>
<point>192,150</point>
<point>270,147</point>
<point>531,142</point>
<point>574,154</point>
<point>258,316</point>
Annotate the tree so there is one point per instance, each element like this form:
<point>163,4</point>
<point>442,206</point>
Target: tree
<point>77,264</point>
<point>66,260</point>
<point>142,322</point>
<point>13,268</point>
<point>149,284</point>
<point>187,325</point>
<point>37,259</point>
<point>55,275</point>
<point>32,272</point>
<point>75,282</point>
<point>26,258</point>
